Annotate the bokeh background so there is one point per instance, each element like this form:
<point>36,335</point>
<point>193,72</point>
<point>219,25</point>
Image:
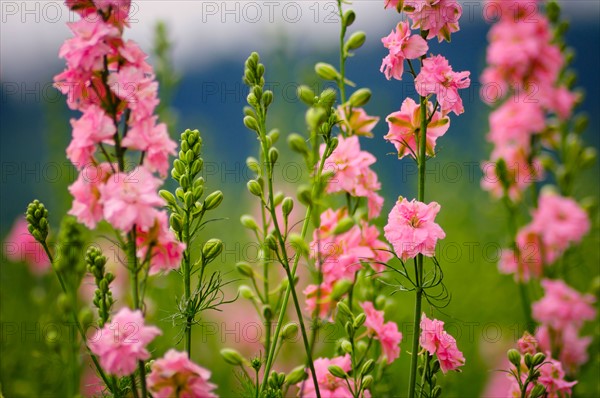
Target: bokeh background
<point>211,40</point>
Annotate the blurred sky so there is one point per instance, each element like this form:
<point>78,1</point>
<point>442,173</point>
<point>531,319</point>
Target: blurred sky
<point>208,31</point>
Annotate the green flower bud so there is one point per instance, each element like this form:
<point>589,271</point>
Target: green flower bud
<point>340,288</point>
<point>327,98</point>
<point>256,363</point>
<point>176,222</point>
<point>37,218</point>
<point>184,181</point>
<point>254,188</point>
<point>251,123</point>
<point>246,292</point>
<point>211,249</point>
<point>213,200</point>
<point>232,357</point>
<point>267,98</point>
<point>539,390</point>
<point>168,197</point>
<point>267,312</point>
<point>273,155</point>
<point>359,321</point>
<point>337,371</point>
<point>344,225</point>
<point>356,41</point>
<point>588,157</point>
<point>244,268</point>
<point>288,206</point>
<point>271,242</point>
<point>306,95</point>
<point>436,392</point>
<point>188,199</point>
<point>196,166</point>
<point>360,97</point>
<point>349,17</point>
<point>528,360</point>
<point>253,164</point>
<point>86,316</point>
<point>435,367</point>
<point>315,116</point>
<point>514,357</point>
<point>326,71</point>
<point>367,367</point>
<point>367,381</point>
<point>297,375</point>
<point>274,135</point>
<point>344,310</point>
<point>538,359</point>
<point>346,346</point>
<point>305,195</point>
<point>290,331</point>
<point>64,304</point>
<point>248,222</point>
<point>298,244</point>
<point>297,143</point>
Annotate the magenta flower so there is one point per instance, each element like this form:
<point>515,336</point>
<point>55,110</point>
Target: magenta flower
<point>121,343</point>
<point>92,128</point>
<point>87,206</point>
<point>91,42</point>
<point>402,46</point>
<point>513,123</point>
<point>438,17</point>
<point>21,246</point>
<point>154,140</point>
<point>562,306</point>
<point>175,375</point>
<point>166,251</point>
<point>438,342</point>
<point>319,295</point>
<point>387,333</point>
<point>405,124</point>
<point>131,199</point>
<point>411,228</point>
<point>437,77</point>
<point>571,348</point>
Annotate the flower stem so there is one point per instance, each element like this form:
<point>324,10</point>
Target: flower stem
<point>187,284</point>
<point>342,82</point>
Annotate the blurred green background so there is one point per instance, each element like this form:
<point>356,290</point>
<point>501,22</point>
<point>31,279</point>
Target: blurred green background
<point>485,312</point>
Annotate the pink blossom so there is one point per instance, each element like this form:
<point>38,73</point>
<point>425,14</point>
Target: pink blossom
<point>405,124</point>
<point>131,199</point>
<point>562,306</point>
<point>562,101</point>
<point>119,10</point>
<point>86,194</point>
<point>355,121</point>
<point>319,295</point>
<point>411,228</point>
<point>438,17</point>
<point>21,246</point>
<point>510,10</point>
<point>402,46</point>
<point>560,221</point>
<point>166,250</point>
<point>437,77</point>
<point>553,378</point>
<point>121,343</point>
<point>387,333</point>
<point>514,122</point>
<point>528,344</point>
<point>329,385</point>
<point>391,3</point>
<point>92,128</point>
<point>136,57</point>
<point>437,341</point>
<point>154,140</point>
<point>571,348</point>
<point>93,39</point>
<point>174,374</point>
<point>352,174</point>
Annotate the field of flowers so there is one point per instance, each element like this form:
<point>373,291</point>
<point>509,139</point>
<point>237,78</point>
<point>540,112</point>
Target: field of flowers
<point>145,278</point>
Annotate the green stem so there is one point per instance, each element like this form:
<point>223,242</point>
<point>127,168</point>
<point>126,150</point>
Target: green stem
<point>425,372</point>
<point>187,284</point>
<point>419,263</point>
<point>342,82</point>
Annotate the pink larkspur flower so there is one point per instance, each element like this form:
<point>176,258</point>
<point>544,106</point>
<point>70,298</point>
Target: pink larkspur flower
<point>562,306</point>
<point>87,206</point>
<point>92,128</point>
<point>329,385</point>
<point>319,296</point>
<point>510,10</point>
<point>513,123</point>
<point>560,221</point>
<point>528,344</point>
<point>121,343</point>
<point>404,125</point>
<point>355,121</point>
<point>174,374</point>
<point>387,333</point>
<point>135,86</point>
<point>166,250</point>
<point>153,139</point>
<point>21,246</point>
<point>411,228</point>
<point>438,17</point>
<point>571,348</point>
<point>553,378</point>
<point>437,77</point>
<point>402,45</point>
<point>438,342</point>
<point>131,199</point>
<point>391,3</point>
<point>352,174</point>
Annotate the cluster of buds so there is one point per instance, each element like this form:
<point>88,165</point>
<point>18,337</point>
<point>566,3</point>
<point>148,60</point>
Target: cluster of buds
<point>103,299</point>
